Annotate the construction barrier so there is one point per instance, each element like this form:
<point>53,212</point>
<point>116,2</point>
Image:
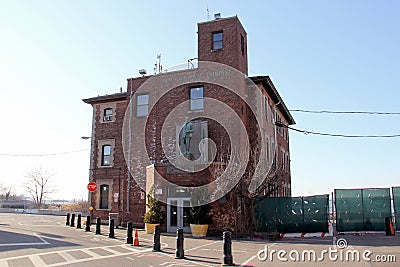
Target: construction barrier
<point>362,209</point>
<point>293,214</point>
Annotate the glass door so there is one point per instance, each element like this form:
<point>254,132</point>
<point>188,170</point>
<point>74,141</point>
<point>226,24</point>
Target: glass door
<point>177,214</point>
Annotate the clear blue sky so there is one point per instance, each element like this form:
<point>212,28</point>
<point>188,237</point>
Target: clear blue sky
<point>331,55</point>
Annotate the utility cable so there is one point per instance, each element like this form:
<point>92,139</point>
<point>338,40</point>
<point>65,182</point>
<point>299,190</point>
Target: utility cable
<point>279,124</point>
<point>42,155</point>
<point>344,112</point>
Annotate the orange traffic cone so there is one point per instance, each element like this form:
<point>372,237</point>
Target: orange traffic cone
<point>136,241</point>
<point>391,228</point>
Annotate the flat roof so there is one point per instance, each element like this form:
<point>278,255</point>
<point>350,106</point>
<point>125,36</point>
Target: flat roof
<point>105,98</point>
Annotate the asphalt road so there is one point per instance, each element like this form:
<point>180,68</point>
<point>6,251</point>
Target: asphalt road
<point>39,240</point>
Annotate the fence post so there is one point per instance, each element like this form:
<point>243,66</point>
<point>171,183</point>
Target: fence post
<point>180,253</point>
<point>111,232</point>
<point>98,224</point>
<point>68,217</point>
<point>156,239</point>
<point>88,222</point>
<point>228,259</point>
<point>129,233</point>
<point>78,222</point>
<point>72,220</point>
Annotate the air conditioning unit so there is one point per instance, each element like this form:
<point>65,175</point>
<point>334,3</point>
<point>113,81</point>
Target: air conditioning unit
<point>107,118</point>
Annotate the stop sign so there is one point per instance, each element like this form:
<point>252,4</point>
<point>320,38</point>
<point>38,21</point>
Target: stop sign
<point>92,186</point>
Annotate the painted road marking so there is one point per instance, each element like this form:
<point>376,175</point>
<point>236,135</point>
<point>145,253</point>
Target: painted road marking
<point>37,261</point>
<point>44,242</point>
<point>67,257</point>
<point>211,243</point>
<point>3,263</point>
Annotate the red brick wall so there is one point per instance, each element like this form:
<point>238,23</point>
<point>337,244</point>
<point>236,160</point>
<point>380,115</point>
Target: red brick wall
<point>118,172</point>
<point>231,53</point>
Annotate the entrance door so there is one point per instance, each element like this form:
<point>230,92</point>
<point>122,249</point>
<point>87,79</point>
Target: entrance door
<point>177,214</point>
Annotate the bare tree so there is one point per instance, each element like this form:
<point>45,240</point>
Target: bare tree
<point>7,192</point>
<point>38,185</point>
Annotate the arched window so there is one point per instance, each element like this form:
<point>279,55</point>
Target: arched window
<point>104,190</point>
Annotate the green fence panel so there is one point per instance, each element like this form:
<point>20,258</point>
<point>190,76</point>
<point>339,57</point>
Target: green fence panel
<point>396,203</point>
<point>348,210</point>
<point>293,214</point>
<point>376,206</point>
<point>316,214</point>
<point>362,209</point>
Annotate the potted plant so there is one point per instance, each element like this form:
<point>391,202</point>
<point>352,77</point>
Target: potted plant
<point>154,215</point>
<point>199,219</point>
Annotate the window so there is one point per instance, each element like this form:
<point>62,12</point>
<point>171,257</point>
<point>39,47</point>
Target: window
<point>266,107</point>
<point>242,43</point>
<point>142,105</point>
<point>107,114</point>
<point>106,155</point>
<point>197,98</point>
<point>217,40</point>
<point>267,150</point>
<point>278,119</point>
<point>104,190</point>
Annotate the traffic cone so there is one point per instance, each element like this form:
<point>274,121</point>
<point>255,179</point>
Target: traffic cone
<point>136,241</point>
<point>391,228</point>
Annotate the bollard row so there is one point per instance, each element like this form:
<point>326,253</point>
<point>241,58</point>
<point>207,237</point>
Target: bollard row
<point>179,253</point>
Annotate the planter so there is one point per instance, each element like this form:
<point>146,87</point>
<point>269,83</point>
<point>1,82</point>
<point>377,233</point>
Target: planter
<point>199,230</point>
<point>150,227</point>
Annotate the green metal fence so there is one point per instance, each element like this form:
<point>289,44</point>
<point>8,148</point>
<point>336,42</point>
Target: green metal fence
<point>293,214</point>
<point>362,209</point>
<point>396,203</point>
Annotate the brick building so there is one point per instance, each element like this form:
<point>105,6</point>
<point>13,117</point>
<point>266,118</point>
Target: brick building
<point>123,179</point>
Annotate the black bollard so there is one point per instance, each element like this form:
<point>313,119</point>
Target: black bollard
<point>228,259</point>
<point>129,233</point>
<point>98,224</point>
<point>111,232</point>
<point>180,253</point>
<point>87,229</point>
<point>156,240</point>
<point>68,217</point>
<point>78,222</point>
<point>72,220</point>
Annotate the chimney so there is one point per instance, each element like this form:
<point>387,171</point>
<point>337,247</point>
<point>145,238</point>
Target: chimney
<point>217,16</point>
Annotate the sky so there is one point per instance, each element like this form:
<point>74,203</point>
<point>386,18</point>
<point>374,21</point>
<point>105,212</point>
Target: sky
<point>321,55</point>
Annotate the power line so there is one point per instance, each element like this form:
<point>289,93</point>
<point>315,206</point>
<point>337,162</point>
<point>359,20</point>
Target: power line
<point>42,155</point>
<point>336,135</point>
<point>344,112</point>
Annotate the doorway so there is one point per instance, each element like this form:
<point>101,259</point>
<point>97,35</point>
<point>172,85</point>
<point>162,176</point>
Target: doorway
<point>177,214</point>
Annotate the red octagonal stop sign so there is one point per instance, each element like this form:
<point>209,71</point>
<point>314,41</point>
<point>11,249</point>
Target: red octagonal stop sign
<point>92,186</point>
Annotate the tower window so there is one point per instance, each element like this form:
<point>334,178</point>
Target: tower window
<point>217,40</point>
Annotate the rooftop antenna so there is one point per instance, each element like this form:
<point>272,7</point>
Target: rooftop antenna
<point>157,65</point>
<point>208,11</point>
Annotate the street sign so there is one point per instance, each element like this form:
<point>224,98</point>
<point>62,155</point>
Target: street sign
<point>92,186</point>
